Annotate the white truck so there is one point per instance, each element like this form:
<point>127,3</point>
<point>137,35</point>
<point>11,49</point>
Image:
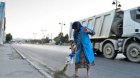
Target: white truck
<point>117,31</point>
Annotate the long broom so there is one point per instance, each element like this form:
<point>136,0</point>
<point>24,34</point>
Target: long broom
<point>61,73</point>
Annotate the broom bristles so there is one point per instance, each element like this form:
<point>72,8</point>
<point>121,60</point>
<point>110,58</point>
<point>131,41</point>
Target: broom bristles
<point>61,74</point>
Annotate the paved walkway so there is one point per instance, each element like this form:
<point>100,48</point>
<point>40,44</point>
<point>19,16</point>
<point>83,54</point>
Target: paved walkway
<point>13,66</point>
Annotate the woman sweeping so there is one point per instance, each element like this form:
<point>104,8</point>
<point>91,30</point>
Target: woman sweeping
<point>84,52</point>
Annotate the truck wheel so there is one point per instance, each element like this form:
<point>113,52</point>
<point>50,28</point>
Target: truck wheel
<point>109,52</point>
<point>133,52</point>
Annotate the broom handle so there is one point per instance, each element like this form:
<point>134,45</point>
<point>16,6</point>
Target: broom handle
<point>65,67</point>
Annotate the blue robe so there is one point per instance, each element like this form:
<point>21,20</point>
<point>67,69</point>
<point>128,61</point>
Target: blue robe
<point>83,41</point>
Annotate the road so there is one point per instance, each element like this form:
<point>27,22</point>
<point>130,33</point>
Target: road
<point>53,57</point>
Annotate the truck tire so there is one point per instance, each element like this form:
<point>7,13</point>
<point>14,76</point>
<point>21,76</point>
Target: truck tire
<point>133,52</point>
<point>108,51</point>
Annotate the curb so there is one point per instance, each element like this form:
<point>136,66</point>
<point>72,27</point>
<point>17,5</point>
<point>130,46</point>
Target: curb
<point>35,66</point>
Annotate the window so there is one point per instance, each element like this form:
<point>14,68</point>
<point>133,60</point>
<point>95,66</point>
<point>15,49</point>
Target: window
<point>137,16</point>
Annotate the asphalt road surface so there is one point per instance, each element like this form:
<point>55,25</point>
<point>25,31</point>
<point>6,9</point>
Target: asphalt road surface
<point>54,57</point>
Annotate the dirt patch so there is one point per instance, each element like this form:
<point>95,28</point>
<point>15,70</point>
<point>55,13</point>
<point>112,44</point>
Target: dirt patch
<point>61,73</point>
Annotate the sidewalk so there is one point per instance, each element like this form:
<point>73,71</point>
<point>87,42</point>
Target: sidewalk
<point>13,66</point>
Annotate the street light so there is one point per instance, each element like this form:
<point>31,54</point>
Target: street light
<point>51,36</point>
<point>62,24</point>
<point>43,32</point>
<point>117,3</point>
<point>34,34</point>
<point>61,33</point>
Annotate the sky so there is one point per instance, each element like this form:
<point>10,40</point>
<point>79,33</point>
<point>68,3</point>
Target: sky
<point>28,19</point>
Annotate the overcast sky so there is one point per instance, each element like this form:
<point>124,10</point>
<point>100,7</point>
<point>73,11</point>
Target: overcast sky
<point>25,17</point>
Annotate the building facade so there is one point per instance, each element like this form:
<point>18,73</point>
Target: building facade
<point>2,22</point>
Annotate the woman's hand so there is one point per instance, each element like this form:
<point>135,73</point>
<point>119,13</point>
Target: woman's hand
<point>87,31</point>
<point>73,47</point>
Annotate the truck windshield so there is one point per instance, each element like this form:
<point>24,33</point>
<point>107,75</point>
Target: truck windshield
<point>135,15</point>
